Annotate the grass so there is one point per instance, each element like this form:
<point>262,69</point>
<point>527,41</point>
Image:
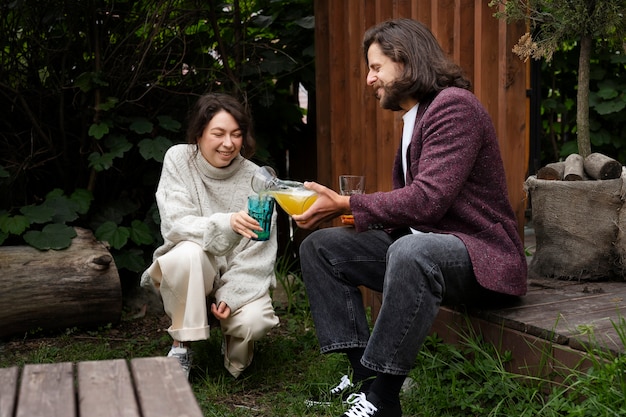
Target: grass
<point>469,379</point>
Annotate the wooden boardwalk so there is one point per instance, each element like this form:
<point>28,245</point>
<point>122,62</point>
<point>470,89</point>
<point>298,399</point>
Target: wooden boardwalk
<point>567,313</point>
<point>562,318</point>
<point>142,387</point>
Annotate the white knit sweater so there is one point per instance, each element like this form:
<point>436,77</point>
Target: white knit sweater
<point>195,201</point>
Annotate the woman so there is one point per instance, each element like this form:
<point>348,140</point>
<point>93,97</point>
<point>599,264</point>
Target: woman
<point>207,251</point>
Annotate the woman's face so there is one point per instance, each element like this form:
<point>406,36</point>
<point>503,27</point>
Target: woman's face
<point>221,140</point>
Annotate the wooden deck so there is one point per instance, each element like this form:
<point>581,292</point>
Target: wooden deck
<point>560,318</point>
<point>143,387</point>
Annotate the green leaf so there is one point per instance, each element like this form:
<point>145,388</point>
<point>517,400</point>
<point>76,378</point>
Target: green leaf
<point>167,123</point>
<point>82,199</point>
<point>3,172</point>
<point>141,125</point>
<point>53,236</point>
<point>100,162</point>
<point>118,145</point>
<point>307,22</point>
<point>98,130</point>
<point>131,259</point>
<point>3,237</point>
<point>38,214</point>
<point>83,81</point>
<point>609,107</point>
<point>13,224</point>
<point>114,235</point>
<point>140,233</point>
<point>65,210</point>
<point>154,148</point>
<point>263,21</point>
<point>109,104</point>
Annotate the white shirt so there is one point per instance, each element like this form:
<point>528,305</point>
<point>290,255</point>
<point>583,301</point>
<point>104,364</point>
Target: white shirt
<point>407,133</point>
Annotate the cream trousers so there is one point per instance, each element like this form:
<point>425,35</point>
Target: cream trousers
<point>184,276</point>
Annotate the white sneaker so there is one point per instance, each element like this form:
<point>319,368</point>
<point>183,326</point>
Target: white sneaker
<point>361,406</point>
<point>184,358</point>
<point>340,391</point>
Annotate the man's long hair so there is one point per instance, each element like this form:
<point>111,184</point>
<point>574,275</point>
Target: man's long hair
<point>427,69</point>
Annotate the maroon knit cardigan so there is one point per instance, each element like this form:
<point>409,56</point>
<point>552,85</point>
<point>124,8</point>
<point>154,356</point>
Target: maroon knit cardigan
<point>455,184</point>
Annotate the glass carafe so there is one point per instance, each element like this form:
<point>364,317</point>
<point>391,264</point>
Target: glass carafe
<point>290,195</point>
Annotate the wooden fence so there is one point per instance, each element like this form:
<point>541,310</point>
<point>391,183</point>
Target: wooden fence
<point>355,136</point>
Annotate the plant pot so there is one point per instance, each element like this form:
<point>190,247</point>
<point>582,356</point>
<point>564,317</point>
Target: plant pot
<point>579,228</point>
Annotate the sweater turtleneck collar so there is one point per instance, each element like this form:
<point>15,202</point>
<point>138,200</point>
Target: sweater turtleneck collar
<point>212,172</point>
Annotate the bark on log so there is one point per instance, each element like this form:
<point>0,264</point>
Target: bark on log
<point>574,168</point>
<point>553,171</point>
<point>602,167</point>
<point>51,290</point>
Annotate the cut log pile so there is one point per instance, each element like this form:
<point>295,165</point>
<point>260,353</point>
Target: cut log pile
<point>596,166</point>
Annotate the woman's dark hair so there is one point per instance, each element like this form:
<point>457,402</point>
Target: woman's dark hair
<point>208,106</point>
<point>427,69</point>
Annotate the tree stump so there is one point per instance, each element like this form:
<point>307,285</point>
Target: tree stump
<point>51,290</point>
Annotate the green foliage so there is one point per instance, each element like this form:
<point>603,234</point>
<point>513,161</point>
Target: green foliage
<point>580,22</point>
<point>607,103</point>
<point>554,22</point>
<point>97,91</point>
<point>45,225</point>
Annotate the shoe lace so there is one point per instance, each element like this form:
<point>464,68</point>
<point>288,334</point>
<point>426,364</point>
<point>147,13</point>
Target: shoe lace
<point>184,359</point>
<point>343,384</point>
<point>360,406</point>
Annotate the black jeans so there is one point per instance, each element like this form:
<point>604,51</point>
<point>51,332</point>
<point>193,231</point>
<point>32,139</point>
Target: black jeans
<point>415,273</point>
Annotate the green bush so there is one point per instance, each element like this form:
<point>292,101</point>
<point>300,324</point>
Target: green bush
<point>98,90</point>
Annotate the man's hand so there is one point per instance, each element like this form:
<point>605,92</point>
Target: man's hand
<point>221,312</point>
<point>328,205</point>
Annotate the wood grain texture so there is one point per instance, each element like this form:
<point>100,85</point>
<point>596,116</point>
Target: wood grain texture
<point>162,385</point>
<point>47,290</point>
<point>47,390</point>
<point>105,389</point>
<point>8,390</point>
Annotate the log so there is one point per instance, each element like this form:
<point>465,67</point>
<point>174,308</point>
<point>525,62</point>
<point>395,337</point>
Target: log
<point>52,290</point>
<point>574,168</point>
<point>553,171</point>
<point>602,167</point>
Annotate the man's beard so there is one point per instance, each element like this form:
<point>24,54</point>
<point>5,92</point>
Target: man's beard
<point>391,98</point>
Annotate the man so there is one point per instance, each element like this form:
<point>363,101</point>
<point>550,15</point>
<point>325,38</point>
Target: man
<point>446,233</point>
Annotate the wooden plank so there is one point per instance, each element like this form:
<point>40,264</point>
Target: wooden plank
<point>163,389</point>
<point>105,389</point>
<point>47,390</point>
<point>551,312</point>
<point>8,390</point>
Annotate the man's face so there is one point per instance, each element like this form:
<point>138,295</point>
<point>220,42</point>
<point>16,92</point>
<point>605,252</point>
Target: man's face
<point>383,72</point>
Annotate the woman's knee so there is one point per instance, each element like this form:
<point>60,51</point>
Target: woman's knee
<point>252,321</point>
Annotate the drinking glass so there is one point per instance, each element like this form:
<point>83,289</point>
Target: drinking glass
<point>349,185</point>
<point>260,208</point>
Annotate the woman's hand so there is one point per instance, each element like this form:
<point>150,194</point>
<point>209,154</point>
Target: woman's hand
<point>242,223</point>
<point>328,205</point>
<point>221,311</point>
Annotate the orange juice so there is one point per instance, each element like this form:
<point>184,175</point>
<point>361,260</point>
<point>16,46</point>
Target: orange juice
<point>294,201</point>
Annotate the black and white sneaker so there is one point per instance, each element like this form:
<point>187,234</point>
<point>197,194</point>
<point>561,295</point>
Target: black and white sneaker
<point>368,405</point>
<point>184,357</point>
<point>339,392</point>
